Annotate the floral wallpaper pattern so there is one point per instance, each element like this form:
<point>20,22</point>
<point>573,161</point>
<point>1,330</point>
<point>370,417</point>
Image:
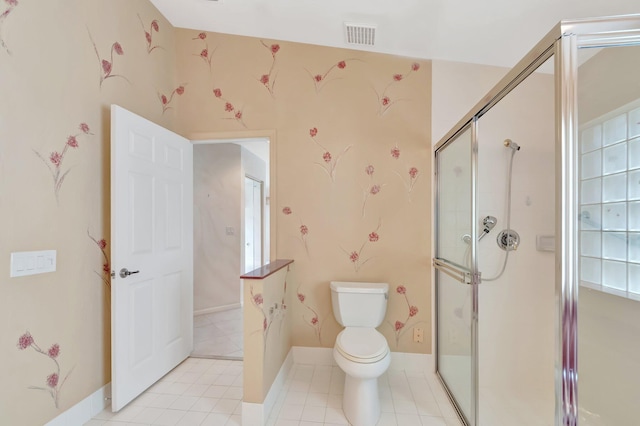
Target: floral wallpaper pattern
<point>310,316</point>
<point>387,100</point>
<point>329,161</point>
<point>9,7</point>
<point>268,80</point>
<point>54,382</point>
<point>106,66</point>
<point>105,274</point>
<point>54,160</point>
<point>270,314</point>
<point>320,80</point>
<point>353,130</point>
<point>401,327</point>
<point>154,27</point>
<point>166,101</point>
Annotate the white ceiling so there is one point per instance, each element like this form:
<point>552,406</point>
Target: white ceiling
<point>492,32</point>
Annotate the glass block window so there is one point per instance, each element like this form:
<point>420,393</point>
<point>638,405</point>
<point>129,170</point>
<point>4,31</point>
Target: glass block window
<point>609,192</point>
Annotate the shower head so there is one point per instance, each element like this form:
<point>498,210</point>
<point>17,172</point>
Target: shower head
<point>511,144</point>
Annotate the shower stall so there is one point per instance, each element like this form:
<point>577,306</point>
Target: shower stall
<point>537,237</point>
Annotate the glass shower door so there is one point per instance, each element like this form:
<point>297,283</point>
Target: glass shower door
<point>455,290</point>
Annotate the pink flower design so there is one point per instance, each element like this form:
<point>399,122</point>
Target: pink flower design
<point>302,230</point>
<point>55,158</point>
<point>53,382</point>
<point>330,162</point>
<point>395,152</point>
<point>369,170</point>
<point>204,54</point>
<point>11,5</point>
<point>374,189</point>
<point>356,256</point>
<point>54,351</point>
<point>106,66</point>
<point>320,80</point>
<point>105,275</point>
<point>25,341</point>
<point>257,299</point>
<point>385,101</point>
<point>399,327</point>
<point>413,172</point>
<point>236,113</point>
<point>269,80</point>
<point>313,321</point>
<point>148,35</point>
<point>166,101</point>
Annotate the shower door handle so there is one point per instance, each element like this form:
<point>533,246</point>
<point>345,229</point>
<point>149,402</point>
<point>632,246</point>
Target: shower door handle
<point>454,271</point>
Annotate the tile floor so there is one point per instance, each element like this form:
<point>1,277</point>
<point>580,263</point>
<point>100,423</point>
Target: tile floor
<point>218,334</point>
<point>208,392</point>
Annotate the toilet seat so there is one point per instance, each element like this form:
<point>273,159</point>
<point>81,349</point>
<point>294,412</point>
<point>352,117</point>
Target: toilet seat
<point>362,345</point>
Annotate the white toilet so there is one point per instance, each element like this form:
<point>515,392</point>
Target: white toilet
<point>360,350</point>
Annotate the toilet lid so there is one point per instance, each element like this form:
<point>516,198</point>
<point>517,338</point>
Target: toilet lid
<point>361,344</point>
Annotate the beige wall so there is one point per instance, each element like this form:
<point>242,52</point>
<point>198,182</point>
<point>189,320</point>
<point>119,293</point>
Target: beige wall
<point>267,330</point>
<point>361,113</point>
<point>49,85</point>
<point>53,82</point>
<point>217,190</point>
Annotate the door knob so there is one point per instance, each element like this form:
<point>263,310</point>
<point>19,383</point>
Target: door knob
<point>124,272</point>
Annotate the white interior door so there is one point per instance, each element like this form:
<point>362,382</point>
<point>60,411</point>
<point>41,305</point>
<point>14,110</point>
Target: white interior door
<point>152,238</point>
<point>252,224</point>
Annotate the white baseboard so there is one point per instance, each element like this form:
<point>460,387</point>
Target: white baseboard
<point>217,309</point>
<point>258,414</point>
<point>84,410</point>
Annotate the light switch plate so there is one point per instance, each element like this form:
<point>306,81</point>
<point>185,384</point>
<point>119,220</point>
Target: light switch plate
<point>32,262</point>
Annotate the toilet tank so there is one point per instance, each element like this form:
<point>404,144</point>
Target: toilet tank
<point>359,304</point>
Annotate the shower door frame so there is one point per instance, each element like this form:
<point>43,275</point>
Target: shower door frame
<point>563,42</point>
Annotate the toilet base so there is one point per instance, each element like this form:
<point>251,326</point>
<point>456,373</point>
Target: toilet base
<point>361,402</point>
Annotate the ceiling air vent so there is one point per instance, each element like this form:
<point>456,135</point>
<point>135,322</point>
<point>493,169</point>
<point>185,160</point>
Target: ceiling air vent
<point>362,34</point>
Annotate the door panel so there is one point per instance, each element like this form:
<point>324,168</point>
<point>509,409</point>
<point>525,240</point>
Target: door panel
<point>152,236</point>
<point>454,284</point>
